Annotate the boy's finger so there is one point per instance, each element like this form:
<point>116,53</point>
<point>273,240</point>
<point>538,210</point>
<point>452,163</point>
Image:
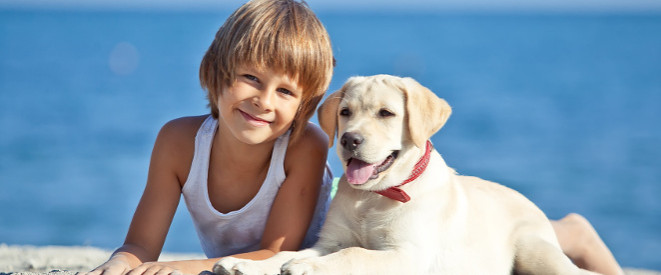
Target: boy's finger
<point>136,271</point>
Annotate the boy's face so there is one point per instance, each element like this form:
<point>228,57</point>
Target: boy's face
<point>260,105</point>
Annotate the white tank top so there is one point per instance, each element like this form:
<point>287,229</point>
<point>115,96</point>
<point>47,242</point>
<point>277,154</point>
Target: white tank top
<point>240,231</point>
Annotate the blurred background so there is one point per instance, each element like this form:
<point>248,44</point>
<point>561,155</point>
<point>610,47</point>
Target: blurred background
<point>557,99</point>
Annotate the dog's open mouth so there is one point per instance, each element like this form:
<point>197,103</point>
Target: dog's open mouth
<point>359,172</point>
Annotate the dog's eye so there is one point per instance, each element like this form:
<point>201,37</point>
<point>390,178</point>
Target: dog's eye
<point>385,113</point>
<point>345,112</point>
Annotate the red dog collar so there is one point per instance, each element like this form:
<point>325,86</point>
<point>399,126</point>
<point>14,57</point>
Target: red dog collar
<point>395,192</point>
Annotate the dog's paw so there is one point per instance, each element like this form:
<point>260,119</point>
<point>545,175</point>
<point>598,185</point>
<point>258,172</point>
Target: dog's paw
<point>300,267</point>
<point>235,266</point>
<point>229,266</point>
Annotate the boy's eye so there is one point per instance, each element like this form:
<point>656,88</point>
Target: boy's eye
<point>251,77</point>
<point>345,112</point>
<point>285,91</point>
<point>385,113</point>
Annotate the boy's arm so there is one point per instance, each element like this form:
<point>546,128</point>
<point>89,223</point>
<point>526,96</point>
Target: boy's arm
<point>293,208</point>
<point>169,165</point>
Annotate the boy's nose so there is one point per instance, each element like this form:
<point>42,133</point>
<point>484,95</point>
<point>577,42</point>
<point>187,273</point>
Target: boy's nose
<point>265,100</point>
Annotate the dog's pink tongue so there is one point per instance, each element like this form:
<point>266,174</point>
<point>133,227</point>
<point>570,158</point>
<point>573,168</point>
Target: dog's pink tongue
<point>358,172</point>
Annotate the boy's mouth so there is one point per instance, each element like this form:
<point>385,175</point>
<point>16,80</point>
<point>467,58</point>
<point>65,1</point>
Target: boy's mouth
<point>255,121</point>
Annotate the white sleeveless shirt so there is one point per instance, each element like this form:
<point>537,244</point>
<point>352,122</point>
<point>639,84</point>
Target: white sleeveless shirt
<point>240,231</point>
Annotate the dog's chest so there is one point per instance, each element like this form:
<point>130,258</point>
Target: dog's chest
<point>374,225</point>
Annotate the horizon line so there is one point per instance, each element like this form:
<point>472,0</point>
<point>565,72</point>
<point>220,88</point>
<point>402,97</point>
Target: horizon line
<point>209,5</point>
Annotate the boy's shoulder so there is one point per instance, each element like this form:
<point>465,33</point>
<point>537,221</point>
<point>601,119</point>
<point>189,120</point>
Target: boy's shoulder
<point>182,129</point>
<point>175,146</point>
<point>186,123</point>
<point>313,140</point>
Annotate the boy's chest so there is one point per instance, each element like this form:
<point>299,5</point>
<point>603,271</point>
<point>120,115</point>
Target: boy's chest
<point>230,191</point>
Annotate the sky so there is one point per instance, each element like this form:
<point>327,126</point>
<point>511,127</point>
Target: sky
<point>322,5</point>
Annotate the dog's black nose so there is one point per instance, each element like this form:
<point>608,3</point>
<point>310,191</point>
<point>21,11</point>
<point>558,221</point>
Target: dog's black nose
<point>351,141</point>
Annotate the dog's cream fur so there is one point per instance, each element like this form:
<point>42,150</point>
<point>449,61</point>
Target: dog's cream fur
<point>452,225</point>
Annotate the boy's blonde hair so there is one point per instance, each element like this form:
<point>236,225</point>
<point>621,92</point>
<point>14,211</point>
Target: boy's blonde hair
<point>281,35</point>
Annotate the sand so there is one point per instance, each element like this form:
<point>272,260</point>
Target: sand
<point>61,260</point>
<point>67,260</point>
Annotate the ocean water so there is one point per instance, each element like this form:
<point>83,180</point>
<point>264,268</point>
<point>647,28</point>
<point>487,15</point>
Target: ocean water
<point>564,108</point>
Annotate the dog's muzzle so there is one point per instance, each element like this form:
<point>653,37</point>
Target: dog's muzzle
<point>358,172</point>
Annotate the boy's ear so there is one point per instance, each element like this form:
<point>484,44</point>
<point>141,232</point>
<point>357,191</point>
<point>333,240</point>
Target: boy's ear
<point>427,113</point>
<point>327,115</point>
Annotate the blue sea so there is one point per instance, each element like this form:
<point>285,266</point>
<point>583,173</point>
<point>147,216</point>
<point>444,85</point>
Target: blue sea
<point>563,107</point>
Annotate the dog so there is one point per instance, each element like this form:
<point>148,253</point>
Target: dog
<point>400,209</point>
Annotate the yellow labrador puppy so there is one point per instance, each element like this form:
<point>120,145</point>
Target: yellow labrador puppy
<point>401,210</point>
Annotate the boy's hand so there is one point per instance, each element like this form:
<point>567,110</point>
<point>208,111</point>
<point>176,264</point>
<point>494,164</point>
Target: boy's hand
<point>151,268</point>
<point>114,266</point>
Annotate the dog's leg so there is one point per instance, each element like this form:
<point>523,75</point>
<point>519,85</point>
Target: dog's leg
<point>358,260</point>
<point>537,256</point>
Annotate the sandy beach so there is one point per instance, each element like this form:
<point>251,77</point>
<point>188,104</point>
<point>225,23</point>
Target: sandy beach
<point>61,260</point>
<point>65,260</point>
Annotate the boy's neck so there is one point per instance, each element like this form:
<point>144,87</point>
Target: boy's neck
<point>235,154</point>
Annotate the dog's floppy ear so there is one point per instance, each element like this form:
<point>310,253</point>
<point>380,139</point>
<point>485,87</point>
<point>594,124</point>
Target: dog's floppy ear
<point>327,114</point>
<point>427,113</point>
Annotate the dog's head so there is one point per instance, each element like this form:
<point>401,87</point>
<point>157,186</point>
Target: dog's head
<point>382,124</point>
